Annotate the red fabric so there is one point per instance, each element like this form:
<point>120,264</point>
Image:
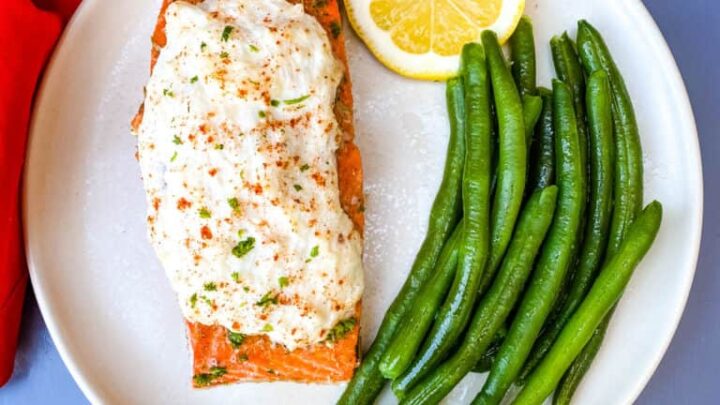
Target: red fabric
<point>27,35</point>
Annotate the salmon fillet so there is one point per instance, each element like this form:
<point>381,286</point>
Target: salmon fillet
<point>220,357</point>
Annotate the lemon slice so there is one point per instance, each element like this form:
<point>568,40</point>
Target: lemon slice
<point>423,38</point>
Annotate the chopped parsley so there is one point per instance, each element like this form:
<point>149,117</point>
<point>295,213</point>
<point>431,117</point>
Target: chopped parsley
<point>267,328</point>
<point>210,286</point>
<point>235,276</point>
<point>274,103</point>
<point>207,300</point>
<point>204,213</point>
<point>304,167</point>
<point>267,299</point>
<point>243,247</point>
<point>283,282</point>
<point>242,357</point>
<point>233,203</point>
<point>224,55</point>
<point>262,114</point>
<point>297,100</point>
<point>173,157</point>
<point>335,29</point>
<point>271,371</point>
<point>193,79</point>
<point>246,289</point>
<point>226,33</point>
<point>203,45</point>
<point>193,300</point>
<point>168,92</point>
<point>236,339</point>
<point>253,48</point>
<point>315,251</point>
<point>219,146</point>
<point>341,329</point>
<point>204,379</point>
<point>177,140</point>
<point>297,187</point>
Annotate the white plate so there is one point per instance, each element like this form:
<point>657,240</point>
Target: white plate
<point>105,299</point>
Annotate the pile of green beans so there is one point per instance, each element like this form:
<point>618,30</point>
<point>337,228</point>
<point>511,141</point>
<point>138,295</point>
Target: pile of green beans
<point>534,234</point>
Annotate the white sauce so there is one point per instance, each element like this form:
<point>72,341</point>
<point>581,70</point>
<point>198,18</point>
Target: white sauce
<point>238,141</point>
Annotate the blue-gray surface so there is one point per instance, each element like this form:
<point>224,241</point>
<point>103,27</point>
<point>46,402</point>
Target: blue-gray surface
<point>689,371</point>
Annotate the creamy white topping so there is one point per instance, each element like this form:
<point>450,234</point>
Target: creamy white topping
<point>237,150</point>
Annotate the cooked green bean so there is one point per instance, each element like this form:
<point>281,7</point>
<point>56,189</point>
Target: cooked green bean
<point>532,107</point>
<point>495,306</point>
<point>599,212</point>
<point>483,365</point>
<point>542,152</point>
<point>555,257</point>
<point>628,177</point>
<point>512,155</point>
<point>413,328</point>
<point>603,295</point>
<point>474,241</point>
<point>522,55</point>
<point>444,216</point>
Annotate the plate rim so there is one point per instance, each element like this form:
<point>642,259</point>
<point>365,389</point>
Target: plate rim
<point>635,8</point>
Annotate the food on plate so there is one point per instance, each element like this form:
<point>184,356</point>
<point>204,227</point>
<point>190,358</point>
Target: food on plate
<point>423,39</point>
<point>569,192</point>
<point>254,186</point>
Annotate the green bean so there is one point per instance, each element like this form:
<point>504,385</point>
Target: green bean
<point>413,328</point>
<point>603,295</point>
<point>495,306</point>
<point>628,187</point>
<point>532,107</point>
<point>483,365</point>
<point>444,216</point>
<point>599,212</point>
<point>522,55</point>
<point>570,70</point>
<point>542,153</point>
<point>474,241</point>
<point>555,257</point>
<point>512,155</point>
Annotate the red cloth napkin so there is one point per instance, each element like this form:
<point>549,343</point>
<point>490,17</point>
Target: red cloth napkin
<point>27,35</point>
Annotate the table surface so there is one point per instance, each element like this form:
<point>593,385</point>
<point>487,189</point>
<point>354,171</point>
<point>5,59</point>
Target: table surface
<point>688,372</point>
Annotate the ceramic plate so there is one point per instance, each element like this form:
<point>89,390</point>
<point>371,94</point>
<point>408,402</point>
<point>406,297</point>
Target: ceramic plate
<point>105,298</point>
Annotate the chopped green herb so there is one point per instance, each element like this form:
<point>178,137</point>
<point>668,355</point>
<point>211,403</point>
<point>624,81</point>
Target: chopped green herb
<point>335,29</point>
<point>233,203</point>
<point>274,103</point>
<point>205,379</point>
<point>210,286</point>
<point>267,328</point>
<point>203,45</point>
<point>236,339</point>
<point>341,329</point>
<point>283,281</point>
<point>246,289</point>
<point>362,208</point>
<point>168,92</point>
<point>193,79</point>
<point>243,247</point>
<point>235,276</point>
<point>267,299</point>
<point>271,371</point>
<point>297,100</point>
<point>242,357</point>
<point>254,82</point>
<point>173,157</point>
<point>262,114</point>
<point>253,48</point>
<point>226,33</point>
<point>297,187</point>
<point>204,213</point>
<point>241,233</point>
<point>224,55</point>
<point>219,146</point>
<point>315,251</point>
<point>320,3</point>
<point>304,167</point>
<point>207,300</point>
<point>193,300</point>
